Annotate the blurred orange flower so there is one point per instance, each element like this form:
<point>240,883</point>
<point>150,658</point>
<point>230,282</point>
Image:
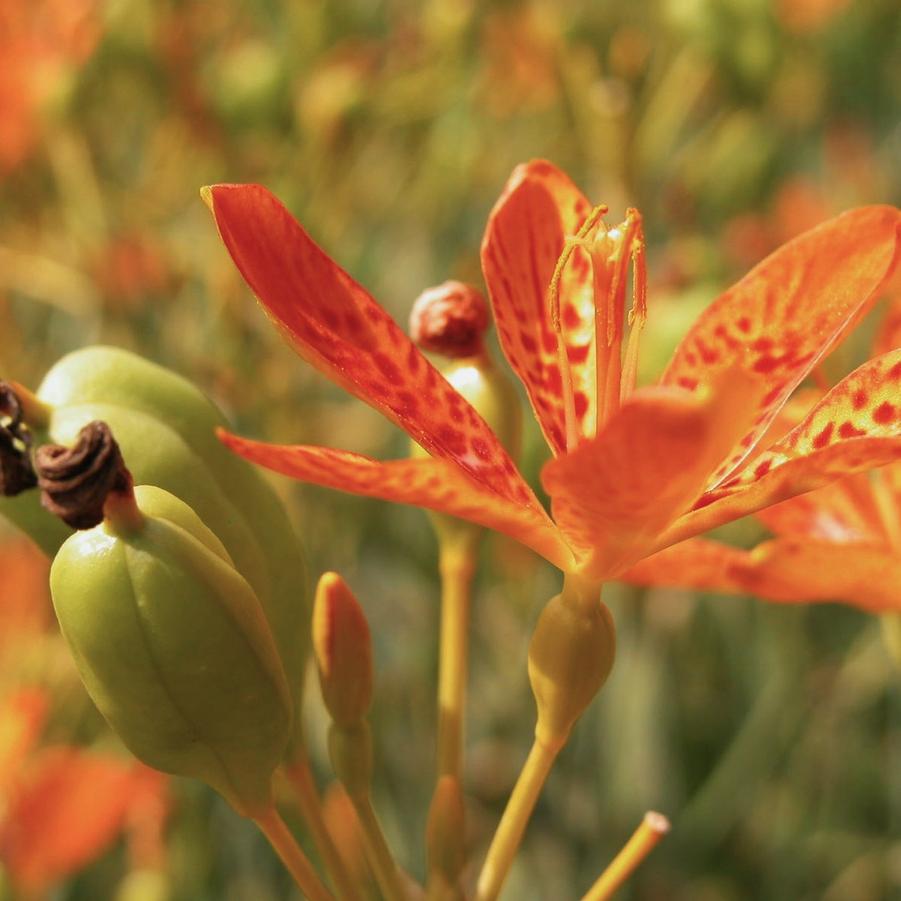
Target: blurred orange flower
<point>634,470</point>
<point>39,40</point>
<point>60,807</point>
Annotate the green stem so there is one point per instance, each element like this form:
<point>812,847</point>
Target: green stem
<point>298,864</point>
<point>301,779</point>
<point>377,851</point>
<point>457,566</point>
<point>515,819</point>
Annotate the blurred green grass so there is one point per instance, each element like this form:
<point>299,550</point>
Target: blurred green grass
<point>770,735</point>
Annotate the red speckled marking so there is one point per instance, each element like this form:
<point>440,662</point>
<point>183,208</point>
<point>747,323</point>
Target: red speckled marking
<point>336,326</point>
<point>789,311</point>
<point>525,235</point>
<point>884,413</point>
<point>813,454</point>
<point>431,483</point>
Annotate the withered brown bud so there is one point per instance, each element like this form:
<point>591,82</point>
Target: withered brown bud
<point>76,481</point>
<point>450,319</point>
<point>16,472</point>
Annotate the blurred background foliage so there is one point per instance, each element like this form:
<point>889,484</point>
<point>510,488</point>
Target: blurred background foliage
<point>770,735</point>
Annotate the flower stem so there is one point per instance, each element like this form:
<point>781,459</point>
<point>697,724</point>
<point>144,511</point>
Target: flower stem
<point>301,780</point>
<point>516,816</point>
<point>378,852</point>
<point>273,827</point>
<point>457,567</point>
<point>645,838</point>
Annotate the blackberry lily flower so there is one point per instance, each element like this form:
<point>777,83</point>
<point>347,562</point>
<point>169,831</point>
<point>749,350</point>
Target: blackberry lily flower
<point>841,542</point>
<point>633,470</point>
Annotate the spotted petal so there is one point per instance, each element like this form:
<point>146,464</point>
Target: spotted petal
<point>430,483</point>
<point>615,493</point>
<point>855,427</point>
<point>336,326</point>
<point>789,311</point>
<point>525,235</point>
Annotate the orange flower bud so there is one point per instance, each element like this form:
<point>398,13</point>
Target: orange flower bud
<point>450,319</point>
<point>343,651</point>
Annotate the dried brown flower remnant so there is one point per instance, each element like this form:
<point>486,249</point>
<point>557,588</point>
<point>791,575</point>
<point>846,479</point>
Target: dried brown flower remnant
<point>75,481</point>
<point>16,473</point>
<point>449,319</point>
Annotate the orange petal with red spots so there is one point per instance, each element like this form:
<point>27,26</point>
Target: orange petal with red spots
<point>525,235</point>
<point>336,326</point>
<point>68,808</point>
<point>864,574</point>
<point>614,494</point>
<point>789,311</point>
<point>430,483</point>
<point>697,563</point>
<point>855,427</point>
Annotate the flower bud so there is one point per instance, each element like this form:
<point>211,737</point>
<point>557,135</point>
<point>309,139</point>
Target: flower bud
<point>445,831</point>
<point>450,319</point>
<point>343,649</point>
<point>570,656</point>
<point>174,648</point>
<point>443,320</point>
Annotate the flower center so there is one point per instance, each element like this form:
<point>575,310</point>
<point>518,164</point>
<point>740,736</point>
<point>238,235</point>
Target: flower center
<point>611,252</point>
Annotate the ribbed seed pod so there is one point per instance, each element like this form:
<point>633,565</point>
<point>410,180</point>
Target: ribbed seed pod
<point>174,648</point>
<point>166,429</point>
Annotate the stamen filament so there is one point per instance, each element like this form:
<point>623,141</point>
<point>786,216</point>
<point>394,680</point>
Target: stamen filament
<point>653,827</point>
<point>569,404</point>
<point>638,315</point>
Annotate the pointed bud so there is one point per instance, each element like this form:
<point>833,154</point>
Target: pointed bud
<point>343,649</point>
<point>570,656</point>
<point>450,319</point>
<point>444,831</point>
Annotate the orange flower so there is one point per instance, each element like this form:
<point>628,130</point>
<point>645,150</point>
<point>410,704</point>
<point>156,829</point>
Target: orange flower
<point>841,542</point>
<point>62,807</point>
<point>633,470</point>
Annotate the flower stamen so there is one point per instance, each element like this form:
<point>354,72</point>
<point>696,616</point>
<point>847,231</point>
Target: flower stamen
<point>569,404</point>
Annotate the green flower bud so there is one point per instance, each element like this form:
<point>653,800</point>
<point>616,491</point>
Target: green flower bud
<point>570,656</point>
<point>343,649</point>
<point>173,646</point>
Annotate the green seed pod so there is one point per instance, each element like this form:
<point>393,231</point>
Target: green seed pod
<point>570,656</point>
<point>174,648</point>
<point>166,429</point>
